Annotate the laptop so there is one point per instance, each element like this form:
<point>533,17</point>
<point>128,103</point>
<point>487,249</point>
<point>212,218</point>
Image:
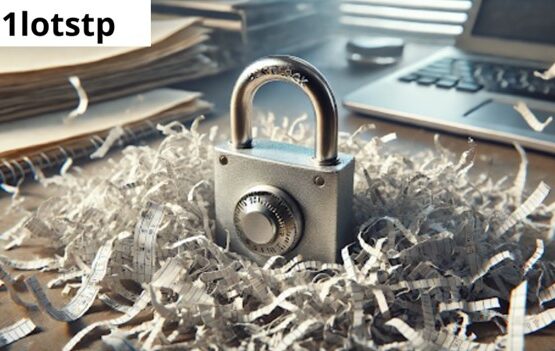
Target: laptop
<point>471,88</point>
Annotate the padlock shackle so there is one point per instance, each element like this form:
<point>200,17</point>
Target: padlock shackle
<point>302,74</point>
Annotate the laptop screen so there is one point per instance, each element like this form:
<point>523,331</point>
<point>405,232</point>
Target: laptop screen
<point>521,20</point>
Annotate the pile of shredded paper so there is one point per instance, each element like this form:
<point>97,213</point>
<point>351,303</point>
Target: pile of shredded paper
<point>437,251</point>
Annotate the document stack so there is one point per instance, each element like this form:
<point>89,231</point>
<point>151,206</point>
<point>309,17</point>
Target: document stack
<point>66,104</point>
<point>45,142</point>
<point>36,80</point>
<point>246,29</point>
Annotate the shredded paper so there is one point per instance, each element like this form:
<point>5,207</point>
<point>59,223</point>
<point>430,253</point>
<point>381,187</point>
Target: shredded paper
<point>83,99</point>
<point>530,118</point>
<point>547,74</point>
<point>16,331</point>
<point>435,251</point>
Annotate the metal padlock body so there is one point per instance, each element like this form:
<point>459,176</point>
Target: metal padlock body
<point>318,188</point>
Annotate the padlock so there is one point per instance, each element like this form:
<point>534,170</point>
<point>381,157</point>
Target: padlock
<point>275,198</point>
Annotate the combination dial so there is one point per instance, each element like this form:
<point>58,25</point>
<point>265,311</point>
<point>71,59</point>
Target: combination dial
<point>268,221</point>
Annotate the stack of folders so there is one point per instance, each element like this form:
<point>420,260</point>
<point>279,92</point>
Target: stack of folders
<point>35,80</point>
<point>46,142</point>
<point>246,29</point>
<point>61,103</point>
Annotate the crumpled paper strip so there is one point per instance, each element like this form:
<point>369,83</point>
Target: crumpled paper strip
<point>436,251</point>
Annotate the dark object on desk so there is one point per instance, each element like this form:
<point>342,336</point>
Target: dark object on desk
<point>493,65</point>
<point>372,51</point>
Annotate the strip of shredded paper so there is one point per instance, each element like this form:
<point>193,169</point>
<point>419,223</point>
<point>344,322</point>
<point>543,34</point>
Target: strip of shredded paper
<point>83,100</point>
<point>530,118</point>
<point>435,251</point>
<point>547,74</point>
<point>113,136</point>
<point>517,312</point>
<point>16,331</point>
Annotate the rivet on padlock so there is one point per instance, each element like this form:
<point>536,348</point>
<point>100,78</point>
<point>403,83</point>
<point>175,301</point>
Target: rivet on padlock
<point>275,198</point>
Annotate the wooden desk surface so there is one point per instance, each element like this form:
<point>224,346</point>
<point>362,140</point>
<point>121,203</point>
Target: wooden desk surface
<point>495,159</point>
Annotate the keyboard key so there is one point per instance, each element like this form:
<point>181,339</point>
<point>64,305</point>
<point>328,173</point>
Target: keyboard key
<point>426,80</point>
<point>444,61</point>
<point>467,80</point>
<point>432,74</point>
<point>451,77</point>
<point>440,66</point>
<point>446,83</point>
<point>409,78</point>
<point>465,76</point>
<point>437,69</point>
<point>468,87</point>
<point>472,75</point>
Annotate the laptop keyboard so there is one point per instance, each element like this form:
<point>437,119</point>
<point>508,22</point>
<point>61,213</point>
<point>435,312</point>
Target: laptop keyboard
<point>472,76</point>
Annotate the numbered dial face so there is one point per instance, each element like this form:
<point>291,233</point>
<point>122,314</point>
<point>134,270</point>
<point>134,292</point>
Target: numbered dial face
<point>268,221</point>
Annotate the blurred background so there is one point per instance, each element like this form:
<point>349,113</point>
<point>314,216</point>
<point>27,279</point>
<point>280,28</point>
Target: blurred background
<point>60,104</point>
